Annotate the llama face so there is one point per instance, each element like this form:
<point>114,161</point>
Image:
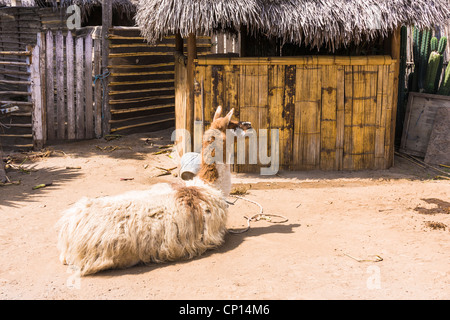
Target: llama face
<point>215,168</point>
<point>222,124</point>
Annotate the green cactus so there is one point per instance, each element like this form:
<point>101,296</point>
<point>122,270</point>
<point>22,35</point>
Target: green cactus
<point>424,49</point>
<point>434,44</point>
<point>439,72</point>
<point>442,45</point>
<point>432,68</point>
<point>444,89</point>
<point>417,37</point>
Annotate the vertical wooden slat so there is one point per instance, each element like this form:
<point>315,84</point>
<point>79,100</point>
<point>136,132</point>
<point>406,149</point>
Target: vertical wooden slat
<point>288,114</point>
<point>98,85</point>
<point>308,101</point>
<point>395,54</point>
<point>370,105</point>
<point>51,130</point>
<point>262,114</point>
<point>231,99</point>
<point>88,87</point>
<point>207,92</point>
<point>358,116</point>
<point>328,118</point>
<point>192,54</point>
<point>348,115</point>
<point>380,118</point>
<point>180,102</point>
<point>388,148</point>
<point>249,97</point>
<point>80,111</point>
<point>297,149</point>
<point>59,75</point>
<point>42,56</point>
<point>107,15</point>
<point>276,91</point>
<point>198,107</point>
<point>340,119</point>
<point>70,87</point>
<point>217,88</point>
<point>36,98</point>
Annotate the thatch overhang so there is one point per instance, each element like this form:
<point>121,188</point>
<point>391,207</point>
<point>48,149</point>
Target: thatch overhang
<point>318,23</point>
<point>127,6</point>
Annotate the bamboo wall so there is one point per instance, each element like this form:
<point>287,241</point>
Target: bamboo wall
<point>141,83</point>
<point>332,113</point>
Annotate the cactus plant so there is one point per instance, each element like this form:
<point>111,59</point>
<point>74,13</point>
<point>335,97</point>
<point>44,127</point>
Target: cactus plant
<point>424,49</point>
<point>428,62</point>
<point>434,44</point>
<point>444,89</point>
<point>432,69</point>
<point>442,45</point>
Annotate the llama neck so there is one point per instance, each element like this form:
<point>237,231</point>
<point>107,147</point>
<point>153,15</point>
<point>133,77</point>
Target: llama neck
<point>217,175</point>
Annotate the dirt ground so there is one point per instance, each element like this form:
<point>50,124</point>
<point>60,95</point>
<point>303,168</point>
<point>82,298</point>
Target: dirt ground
<point>400,216</point>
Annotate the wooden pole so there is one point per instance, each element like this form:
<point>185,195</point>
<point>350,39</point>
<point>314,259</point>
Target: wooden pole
<point>2,167</point>
<point>395,54</point>
<point>106,24</point>
<point>191,55</point>
<point>178,43</point>
<point>36,97</point>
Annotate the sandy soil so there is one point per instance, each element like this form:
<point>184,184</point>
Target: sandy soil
<point>334,219</point>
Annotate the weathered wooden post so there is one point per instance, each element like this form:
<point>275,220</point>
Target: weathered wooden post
<point>106,24</point>
<point>395,54</point>
<point>2,167</point>
<point>191,55</point>
<point>36,94</point>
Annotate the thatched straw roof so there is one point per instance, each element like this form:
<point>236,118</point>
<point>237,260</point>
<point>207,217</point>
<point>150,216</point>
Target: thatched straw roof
<point>25,3</point>
<point>118,4</point>
<point>332,23</point>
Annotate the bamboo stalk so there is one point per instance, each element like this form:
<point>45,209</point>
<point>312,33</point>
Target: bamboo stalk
<point>306,60</point>
<point>141,91</point>
<point>139,82</point>
<point>119,74</point>
<point>140,117</point>
<point>13,63</point>
<point>17,93</point>
<point>129,110</point>
<point>138,54</point>
<point>141,99</point>
<point>141,124</point>
<point>17,103</point>
<point>15,82</point>
<point>141,66</point>
<point>16,135</point>
<point>15,53</point>
<point>159,45</point>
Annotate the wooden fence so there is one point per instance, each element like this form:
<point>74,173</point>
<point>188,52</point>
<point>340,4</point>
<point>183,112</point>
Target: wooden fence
<point>72,110</point>
<point>15,91</point>
<point>332,113</point>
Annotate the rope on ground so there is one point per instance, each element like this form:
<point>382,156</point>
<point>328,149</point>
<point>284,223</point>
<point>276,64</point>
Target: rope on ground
<point>258,216</point>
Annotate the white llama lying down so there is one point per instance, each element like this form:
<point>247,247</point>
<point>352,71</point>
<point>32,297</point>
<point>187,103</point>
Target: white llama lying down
<point>164,223</point>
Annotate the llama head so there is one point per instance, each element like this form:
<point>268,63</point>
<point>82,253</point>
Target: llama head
<point>214,168</point>
<point>224,123</point>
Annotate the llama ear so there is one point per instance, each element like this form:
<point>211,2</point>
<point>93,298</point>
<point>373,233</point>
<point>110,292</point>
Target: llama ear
<point>218,113</point>
<point>229,115</point>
